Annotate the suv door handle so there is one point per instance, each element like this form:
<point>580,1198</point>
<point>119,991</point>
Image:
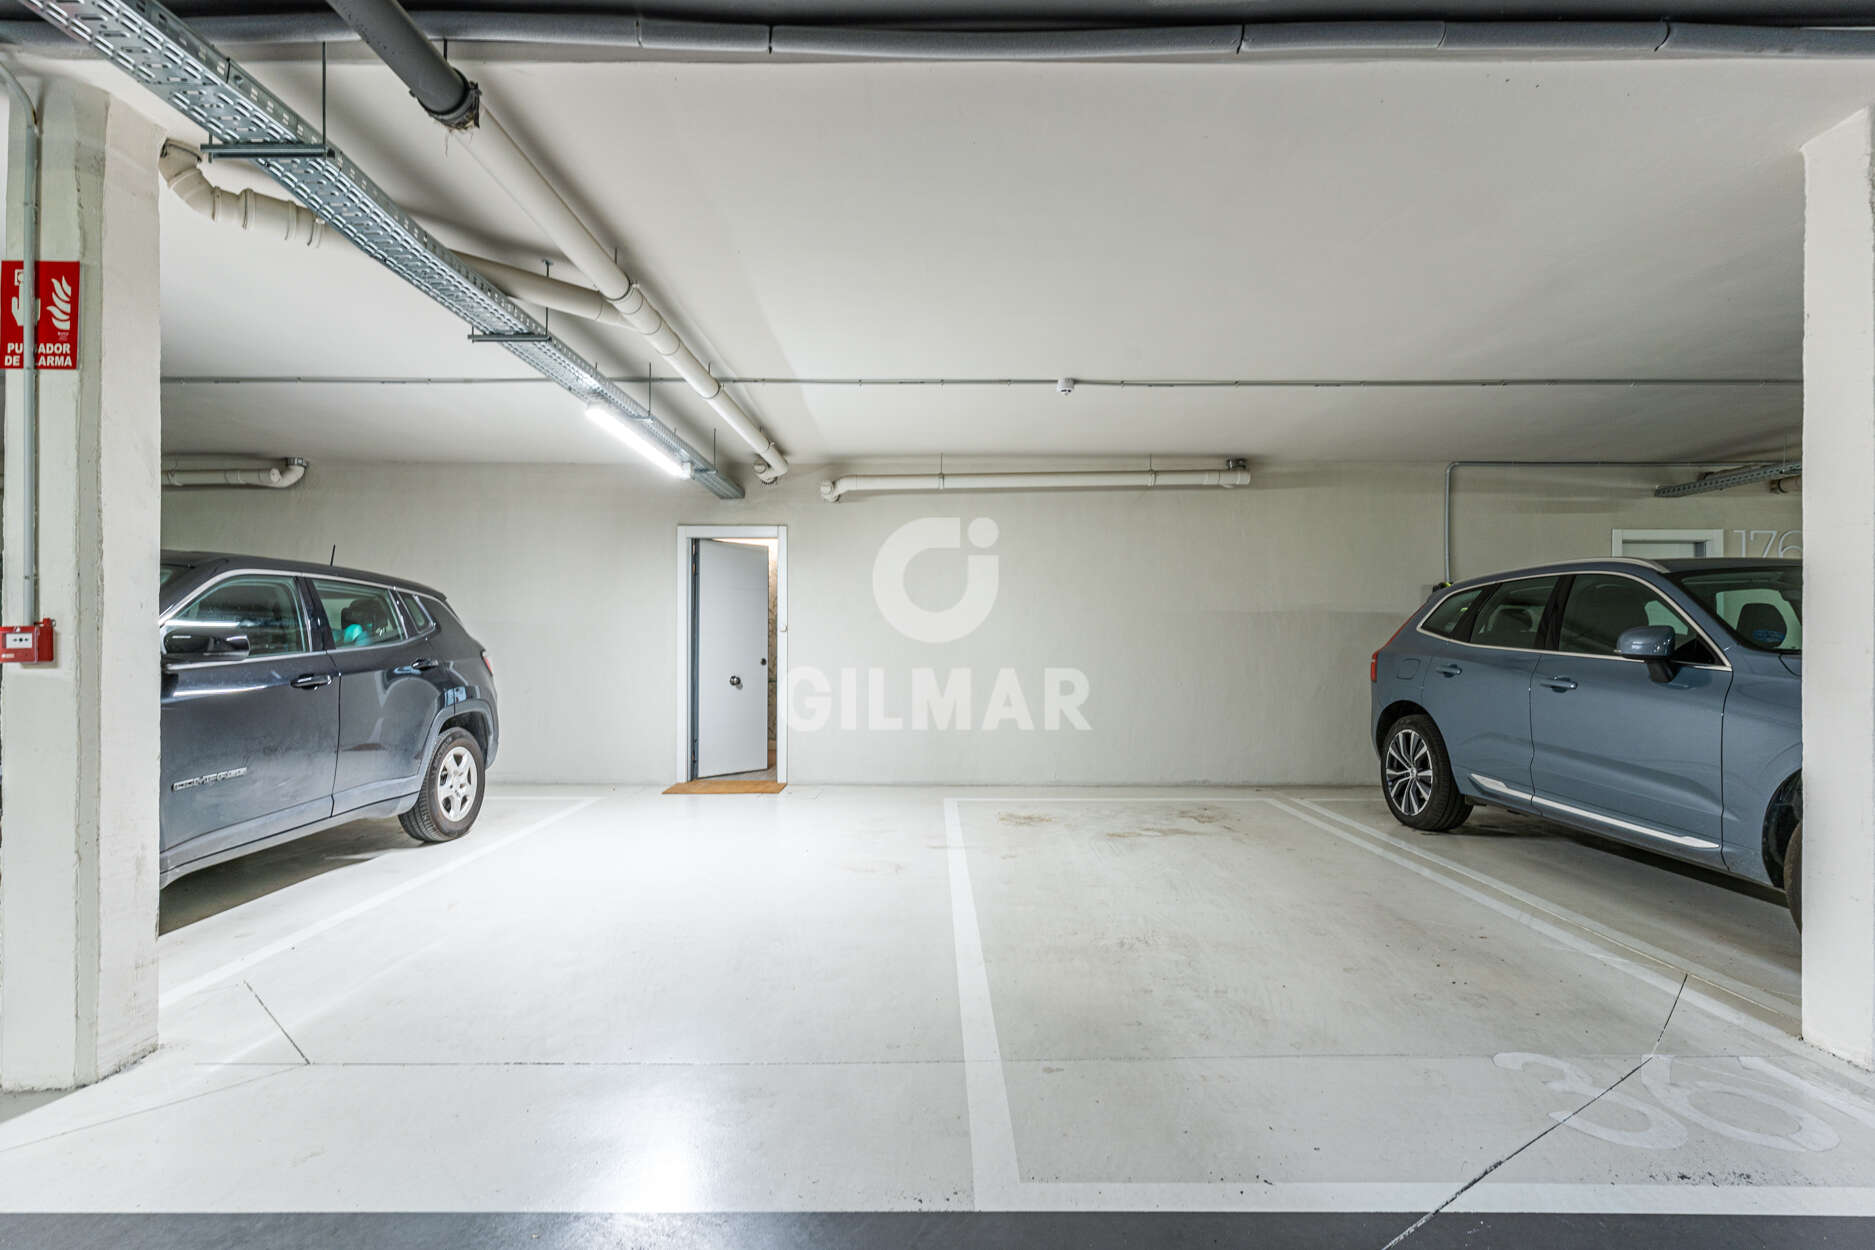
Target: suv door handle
<point>311,681</point>
<point>1561,685</point>
<point>417,666</point>
<point>1450,670</point>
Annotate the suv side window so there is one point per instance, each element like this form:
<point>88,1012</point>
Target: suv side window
<point>1511,613</point>
<point>1453,614</point>
<point>1602,606</point>
<point>266,609</point>
<point>359,616</point>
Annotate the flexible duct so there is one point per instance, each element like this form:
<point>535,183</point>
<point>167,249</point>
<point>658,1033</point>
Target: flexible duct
<point>277,477</point>
<point>445,94</point>
<point>1124,479</point>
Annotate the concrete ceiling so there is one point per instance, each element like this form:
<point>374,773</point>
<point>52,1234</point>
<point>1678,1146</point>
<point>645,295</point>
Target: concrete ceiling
<point>1388,221</point>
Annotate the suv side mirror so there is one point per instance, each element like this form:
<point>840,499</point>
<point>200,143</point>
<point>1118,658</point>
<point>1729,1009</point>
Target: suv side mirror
<point>190,643</point>
<point>1652,643</point>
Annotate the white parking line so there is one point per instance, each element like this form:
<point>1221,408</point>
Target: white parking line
<point>1760,997</point>
<point>236,967</point>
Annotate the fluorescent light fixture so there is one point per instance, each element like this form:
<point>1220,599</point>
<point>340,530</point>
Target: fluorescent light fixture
<point>621,429</point>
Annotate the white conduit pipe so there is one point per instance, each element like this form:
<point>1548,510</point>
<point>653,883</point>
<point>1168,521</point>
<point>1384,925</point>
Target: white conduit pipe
<point>29,347</point>
<point>180,166</point>
<point>277,477</point>
<point>495,150</point>
<point>1125,479</point>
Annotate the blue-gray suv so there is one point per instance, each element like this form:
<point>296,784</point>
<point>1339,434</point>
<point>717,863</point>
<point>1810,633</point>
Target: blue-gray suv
<point>1655,702</point>
<point>298,696</point>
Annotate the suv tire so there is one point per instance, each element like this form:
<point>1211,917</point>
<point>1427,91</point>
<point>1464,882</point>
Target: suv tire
<point>1793,875</point>
<point>451,797</point>
<point>1416,777</point>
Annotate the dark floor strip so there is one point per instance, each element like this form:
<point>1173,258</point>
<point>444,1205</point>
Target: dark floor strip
<point>925,1231</point>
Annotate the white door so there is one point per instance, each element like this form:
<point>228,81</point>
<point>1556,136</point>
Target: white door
<point>731,658</point>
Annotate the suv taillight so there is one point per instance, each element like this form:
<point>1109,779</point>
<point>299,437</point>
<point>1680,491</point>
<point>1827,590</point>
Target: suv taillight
<point>1373,662</point>
<point>488,664</point>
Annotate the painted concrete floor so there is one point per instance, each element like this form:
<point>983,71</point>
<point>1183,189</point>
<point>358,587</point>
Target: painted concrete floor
<point>850,999</point>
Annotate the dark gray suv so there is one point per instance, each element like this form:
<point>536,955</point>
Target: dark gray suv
<point>299,696</point>
<point>1654,702</point>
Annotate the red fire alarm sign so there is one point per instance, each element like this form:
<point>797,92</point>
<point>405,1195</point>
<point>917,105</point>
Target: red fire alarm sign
<point>26,644</point>
<point>58,315</point>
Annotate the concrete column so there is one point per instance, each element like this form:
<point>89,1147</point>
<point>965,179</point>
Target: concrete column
<point>79,737</point>
<point>1839,591</point>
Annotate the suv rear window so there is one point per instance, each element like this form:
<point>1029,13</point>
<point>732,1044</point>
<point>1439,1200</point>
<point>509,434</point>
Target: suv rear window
<point>1511,614</point>
<point>1449,619</point>
<point>359,615</point>
<point>1762,607</point>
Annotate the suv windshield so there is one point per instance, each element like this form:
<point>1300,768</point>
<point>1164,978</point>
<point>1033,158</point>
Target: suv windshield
<point>1763,607</point>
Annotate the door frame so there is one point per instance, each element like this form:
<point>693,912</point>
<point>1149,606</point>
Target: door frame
<point>1716,538</point>
<point>686,638</point>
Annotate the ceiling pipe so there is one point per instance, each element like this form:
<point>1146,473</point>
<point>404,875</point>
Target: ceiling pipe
<point>1232,475</point>
<point>282,476</point>
<point>181,168</point>
<point>1250,42</point>
<point>453,100</point>
<point>159,51</point>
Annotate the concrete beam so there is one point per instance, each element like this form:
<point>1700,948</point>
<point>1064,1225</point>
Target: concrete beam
<point>80,737</point>
<point>1839,590</point>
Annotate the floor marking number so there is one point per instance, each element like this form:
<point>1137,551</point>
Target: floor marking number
<point>1677,1102</point>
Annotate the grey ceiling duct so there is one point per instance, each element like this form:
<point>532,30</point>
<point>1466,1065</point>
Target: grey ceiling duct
<point>438,86</point>
<point>1252,41</point>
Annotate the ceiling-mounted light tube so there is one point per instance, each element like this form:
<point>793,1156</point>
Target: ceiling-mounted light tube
<point>621,429</point>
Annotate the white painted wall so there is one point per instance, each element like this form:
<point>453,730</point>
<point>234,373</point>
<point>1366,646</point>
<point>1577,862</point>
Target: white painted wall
<point>1839,665</point>
<point>1224,635</point>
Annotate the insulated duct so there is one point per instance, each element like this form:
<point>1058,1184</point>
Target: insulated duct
<point>1234,474</point>
<point>282,476</point>
<point>452,99</point>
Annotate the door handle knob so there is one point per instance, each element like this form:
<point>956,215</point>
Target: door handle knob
<point>1560,685</point>
<point>311,681</point>
<point>736,682</point>
<point>1450,670</point>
